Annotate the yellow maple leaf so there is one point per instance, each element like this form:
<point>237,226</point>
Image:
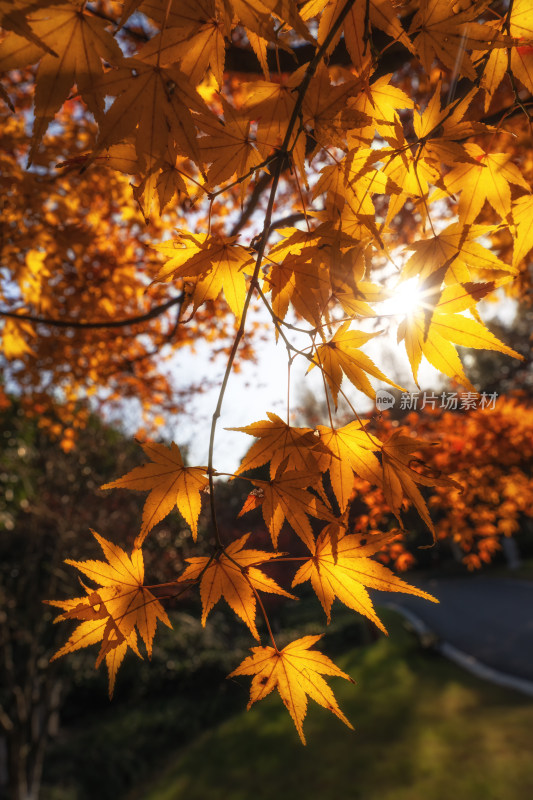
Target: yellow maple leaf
<point>81,43</point>
<point>400,477</point>
<point>272,105</point>
<point>523,219</point>
<point>437,128</point>
<point>488,179</point>
<point>435,333</point>
<point>521,26</point>
<point>191,37</point>
<point>111,613</point>
<point>278,441</point>
<point>342,356</point>
<point>228,147</point>
<point>410,171</point>
<point>216,262</point>
<point>170,484</point>
<point>455,252</point>
<point>145,92</point>
<point>284,498</point>
<point>302,277</point>
<point>326,110</point>
<point>342,568</point>
<point>442,31</point>
<point>15,335</point>
<point>233,575</point>
<point>296,672</point>
<point>356,25</point>
<point>380,102</point>
<point>351,451</point>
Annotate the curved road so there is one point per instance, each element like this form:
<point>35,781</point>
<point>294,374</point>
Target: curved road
<point>488,618</point>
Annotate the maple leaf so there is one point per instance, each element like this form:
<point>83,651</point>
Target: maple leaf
<point>437,128</point>
<point>341,356</point>
<point>80,42</point>
<point>454,249</point>
<point>325,109</point>
<point>216,262</point>
<point>13,15</point>
<point>192,37</point>
<point>400,478</point>
<point>169,483</point>
<point>434,334</point>
<point>488,179</point>
<point>351,450</point>
<point>301,278</point>
<point>349,186</point>
<point>256,15</point>
<point>300,448</point>
<point>228,147</point>
<point>379,102</point>
<point>342,568</point>
<point>146,92</point>
<point>448,34</point>
<point>162,178</point>
<point>519,57</point>
<point>296,672</point>
<point>523,219</point>
<point>232,574</point>
<point>15,335</point>
<point>284,497</point>
<point>380,13</point>
<point>272,104</point>
<point>410,171</point>
<point>121,604</point>
<point>97,625</point>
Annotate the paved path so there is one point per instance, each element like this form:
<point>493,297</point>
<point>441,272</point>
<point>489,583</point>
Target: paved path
<point>488,618</point>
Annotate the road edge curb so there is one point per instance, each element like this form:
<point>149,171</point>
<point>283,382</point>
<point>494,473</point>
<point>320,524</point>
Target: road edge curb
<point>429,638</point>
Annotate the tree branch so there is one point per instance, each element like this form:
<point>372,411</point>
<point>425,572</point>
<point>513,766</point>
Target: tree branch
<point>118,323</point>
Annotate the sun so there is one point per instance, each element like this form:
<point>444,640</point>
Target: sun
<point>405,298</point>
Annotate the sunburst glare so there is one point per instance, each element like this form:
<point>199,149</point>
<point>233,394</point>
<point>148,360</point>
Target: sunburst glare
<point>405,298</point>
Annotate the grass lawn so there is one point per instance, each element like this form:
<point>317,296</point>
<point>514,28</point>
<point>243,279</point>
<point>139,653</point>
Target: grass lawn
<point>424,730</point>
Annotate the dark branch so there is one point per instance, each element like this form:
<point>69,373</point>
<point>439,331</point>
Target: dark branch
<point>251,205</point>
<point>118,323</point>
